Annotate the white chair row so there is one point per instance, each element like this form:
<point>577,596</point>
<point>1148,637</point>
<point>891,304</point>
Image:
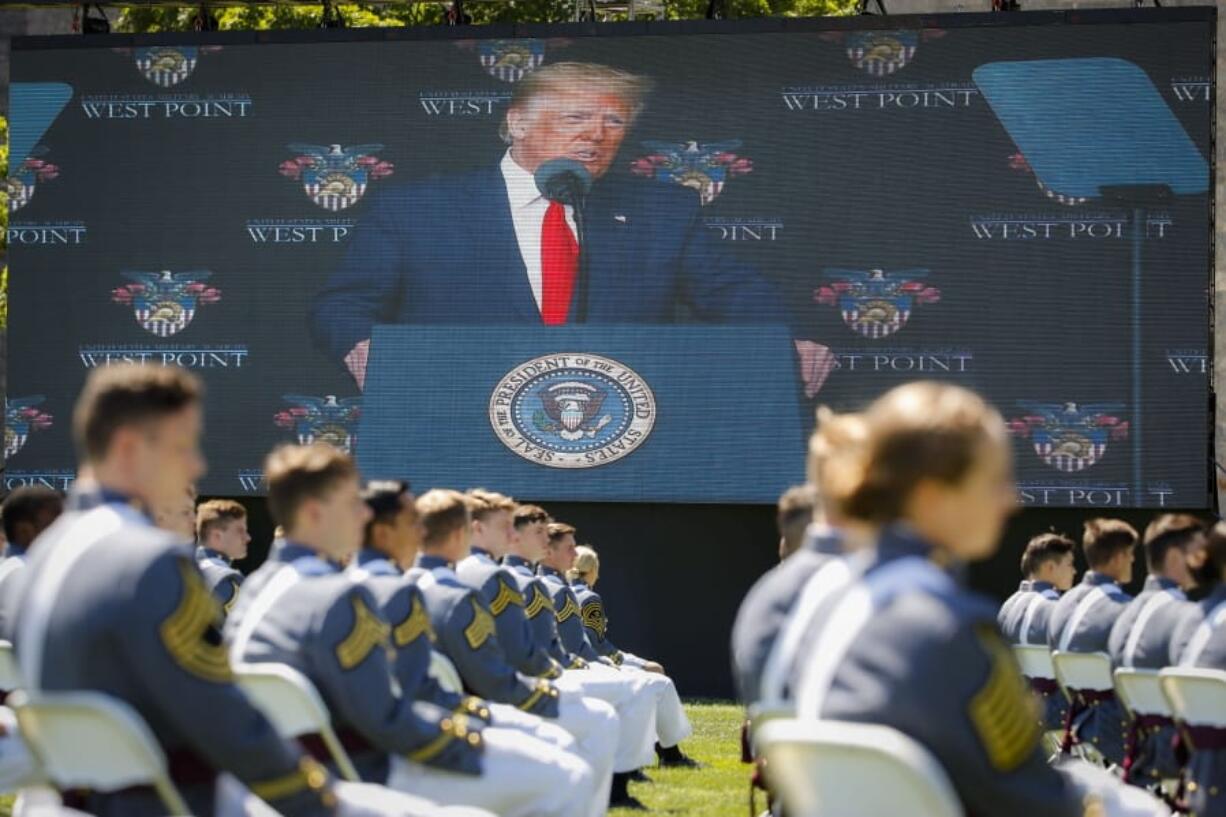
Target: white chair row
<point>91,740</point>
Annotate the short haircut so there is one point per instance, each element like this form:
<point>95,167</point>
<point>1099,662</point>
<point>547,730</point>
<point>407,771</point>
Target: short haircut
<point>631,88</point>
<point>484,504</point>
<point>559,530</point>
<point>1211,572</point>
<point>1103,538</point>
<point>125,395</point>
<point>1170,530</point>
<point>26,504</point>
<point>383,498</point>
<point>296,473</point>
<point>794,513</point>
<point>587,562</point>
<point>1044,548</point>
<point>217,513</point>
<point>443,512</point>
<point>527,514</point>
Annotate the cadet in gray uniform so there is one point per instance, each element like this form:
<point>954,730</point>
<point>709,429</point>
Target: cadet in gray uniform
<point>498,587</point>
<point>221,538</point>
<point>26,512</point>
<point>391,543</point>
<point>467,635</point>
<point>904,645</point>
<point>111,604</point>
<point>672,724</point>
<point>299,609</point>
<point>1174,547</point>
<point>1082,622</point>
<point>632,696</point>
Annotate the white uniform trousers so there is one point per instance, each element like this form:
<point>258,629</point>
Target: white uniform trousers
<point>353,800</point>
<point>635,708</point>
<point>596,728</point>
<point>521,777</point>
<point>672,725</point>
<point>505,716</point>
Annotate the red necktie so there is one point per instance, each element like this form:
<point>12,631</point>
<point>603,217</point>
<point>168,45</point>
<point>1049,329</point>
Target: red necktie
<point>559,262</point>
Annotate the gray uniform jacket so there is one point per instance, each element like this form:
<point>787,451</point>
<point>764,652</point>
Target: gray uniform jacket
<point>765,608</point>
<point>929,660</point>
<point>1025,622</point>
<point>1200,641</point>
<point>1003,616</point>
<point>468,636</point>
<point>1141,636</point>
<point>301,610</point>
<point>566,611</point>
<point>222,579</point>
<point>132,618</point>
<point>499,590</point>
<point>539,610</point>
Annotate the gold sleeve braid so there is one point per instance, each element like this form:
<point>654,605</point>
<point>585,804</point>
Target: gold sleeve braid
<point>414,626</point>
<point>543,688</point>
<point>184,631</point>
<point>506,597</point>
<point>482,627</point>
<point>540,603</point>
<point>571,608</point>
<point>450,729</point>
<point>1003,712</point>
<point>593,618</point>
<point>369,631</point>
<point>229,605</point>
<point>309,775</point>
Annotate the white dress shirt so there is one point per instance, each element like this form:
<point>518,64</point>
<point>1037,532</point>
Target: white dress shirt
<point>528,208</point>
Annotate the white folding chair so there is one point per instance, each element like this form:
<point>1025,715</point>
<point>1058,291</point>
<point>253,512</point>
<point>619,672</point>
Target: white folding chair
<point>1140,692</point>
<point>292,704</point>
<point>10,673</point>
<point>763,713</point>
<point>91,740</point>
<point>1082,672</point>
<point>835,769</point>
<point>1035,661</point>
<point>1197,697</point>
<point>445,673</point>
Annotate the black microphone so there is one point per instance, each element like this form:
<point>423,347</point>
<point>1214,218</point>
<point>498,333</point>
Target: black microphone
<point>567,181</point>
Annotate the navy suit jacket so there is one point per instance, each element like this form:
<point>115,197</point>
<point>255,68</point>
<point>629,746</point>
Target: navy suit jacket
<point>444,251</point>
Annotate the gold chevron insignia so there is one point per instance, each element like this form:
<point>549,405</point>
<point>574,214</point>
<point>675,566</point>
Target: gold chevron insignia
<point>229,605</point>
<point>481,628</point>
<point>571,608</point>
<point>539,603</point>
<point>185,632</point>
<point>593,618</point>
<point>506,597</point>
<point>414,626</point>
<point>369,631</point>
<point>1003,712</point>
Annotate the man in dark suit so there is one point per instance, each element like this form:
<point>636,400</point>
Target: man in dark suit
<point>516,257</point>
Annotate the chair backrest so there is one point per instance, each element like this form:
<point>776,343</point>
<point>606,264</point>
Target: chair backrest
<point>1140,691</point>
<point>292,704</point>
<point>10,673</point>
<point>1083,670</point>
<point>835,769</point>
<point>445,673</point>
<point>91,740</point>
<point>1197,696</point>
<point>1035,660</point>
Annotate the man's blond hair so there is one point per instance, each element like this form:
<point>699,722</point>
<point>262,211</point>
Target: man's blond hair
<point>217,513</point>
<point>631,88</point>
<point>443,512</point>
<point>483,504</point>
<point>587,562</point>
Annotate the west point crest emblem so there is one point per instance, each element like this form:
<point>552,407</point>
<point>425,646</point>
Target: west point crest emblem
<point>322,419</point>
<point>1067,436</point>
<point>165,302</point>
<point>333,176</point>
<point>166,66</point>
<point>702,167</point>
<point>874,303</point>
<point>22,417</point>
<point>572,410</point>
<point>881,53</point>
<point>1018,163</point>
<point>511,60</point>
<point>24,180</point>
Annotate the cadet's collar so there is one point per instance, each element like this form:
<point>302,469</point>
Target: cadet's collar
<point>476,551</point>
<point>823,539</point>
<point>431,562</point>
<point>15,549</point>
<point>1040,587</point>
<point>291,551</point>
<point>92,495</point>
<point>898,541</point>
<point>1153,582</point>
<point>375,562</point>
<point>1096,579</point>
<point>208,553</point>
<point>546,570</point>
<point>511,560</point>
<point>1026,584</point>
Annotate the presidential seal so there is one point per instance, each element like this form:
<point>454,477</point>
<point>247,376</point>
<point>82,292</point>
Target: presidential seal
<point>572,410</point>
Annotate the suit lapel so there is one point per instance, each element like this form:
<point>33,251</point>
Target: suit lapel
<point>498,249</point>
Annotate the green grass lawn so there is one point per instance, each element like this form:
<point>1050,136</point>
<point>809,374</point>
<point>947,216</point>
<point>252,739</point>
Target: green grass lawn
<point>719,789</point>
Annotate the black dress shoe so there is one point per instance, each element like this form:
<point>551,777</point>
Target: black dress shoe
<point>620,797</point>
<point>673,758</point>
<point>639,776</point>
